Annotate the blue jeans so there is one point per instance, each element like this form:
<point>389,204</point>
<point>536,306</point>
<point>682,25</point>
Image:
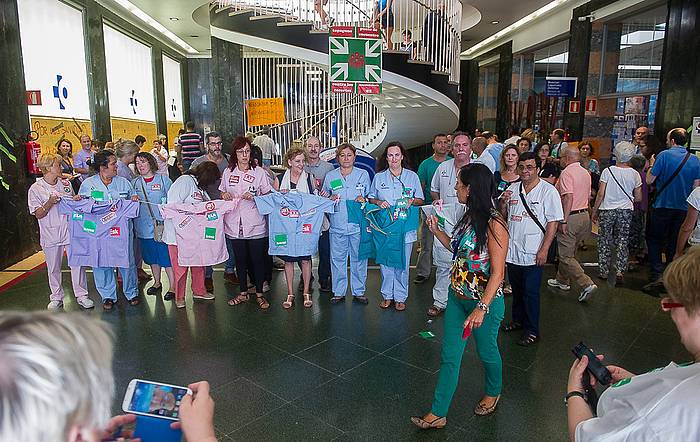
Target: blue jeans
<point>662,236</point>
<point>230,265</point>
<point>525,282</point>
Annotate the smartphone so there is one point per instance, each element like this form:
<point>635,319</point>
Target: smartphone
<point>154,399</point>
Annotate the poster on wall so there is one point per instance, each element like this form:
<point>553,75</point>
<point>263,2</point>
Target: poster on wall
<point>355,60</point>
<point>172,79</point>
<point>59,75</point>
<point>264,111</point>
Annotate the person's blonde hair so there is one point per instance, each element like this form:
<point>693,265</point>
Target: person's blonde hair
<point>529,134</point>
<point>682,279</point>
<point>55,373</point>
<point>47,160</point>
<point>344,146</point>
<point>292,152</point>
<point>124,147</point>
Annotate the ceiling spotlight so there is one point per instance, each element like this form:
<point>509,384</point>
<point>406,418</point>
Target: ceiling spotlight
<point>193,36</point>
<point>495,22</point>
<point>174,19</point>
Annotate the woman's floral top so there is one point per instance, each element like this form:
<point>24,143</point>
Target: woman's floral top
<point>470,270</point>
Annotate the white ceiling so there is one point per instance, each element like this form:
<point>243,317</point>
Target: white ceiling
<point>506,12</point>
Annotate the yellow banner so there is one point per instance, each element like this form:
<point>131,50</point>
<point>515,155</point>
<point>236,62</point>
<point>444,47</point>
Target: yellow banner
<point>173,128</point>
<point>50,130</point>
<point>128,129</point>
<point>265,111</point>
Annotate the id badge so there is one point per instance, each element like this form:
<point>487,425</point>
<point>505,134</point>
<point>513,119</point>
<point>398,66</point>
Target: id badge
<point>403,214</point>
<point>402,203</point>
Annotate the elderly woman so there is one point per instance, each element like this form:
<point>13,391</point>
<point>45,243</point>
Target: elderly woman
<point>661,404</point>
<point>620,187</point>
<point>295,179</point>
<point>152,188</point>
<point>70,357</point>
<point>105,185</point>
<point>475,306</point>
<point>246,227</point>
<point>346,183</point>
<point>394,183</point>
<point>43,196</point>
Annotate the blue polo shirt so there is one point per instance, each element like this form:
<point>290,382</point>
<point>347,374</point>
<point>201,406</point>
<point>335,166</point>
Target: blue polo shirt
<point>676,194</point>
<point>294,221</point>
<point>389,188</point>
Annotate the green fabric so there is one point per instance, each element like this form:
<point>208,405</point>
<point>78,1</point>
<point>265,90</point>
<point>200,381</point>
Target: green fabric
<point>426,170</point>
<point>486,339</point>
<point>382,236</point>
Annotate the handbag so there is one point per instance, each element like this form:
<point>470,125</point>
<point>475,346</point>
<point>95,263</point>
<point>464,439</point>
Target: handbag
<point>158,226</point>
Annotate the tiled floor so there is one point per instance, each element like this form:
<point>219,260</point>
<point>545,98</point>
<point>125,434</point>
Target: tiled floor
<point>354,372</point>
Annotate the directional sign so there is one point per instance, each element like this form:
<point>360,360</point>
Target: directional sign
<point>560,86</point>
<point>355,56</point>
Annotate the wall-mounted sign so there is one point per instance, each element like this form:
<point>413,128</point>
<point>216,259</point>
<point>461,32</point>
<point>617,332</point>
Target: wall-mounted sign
<point>574,106</point>
<point>560,86</point>
<point>355,56</point>
<point>33,98</point>
<point>695,134</point>
<point>591,106</point>
<point>265,111</point>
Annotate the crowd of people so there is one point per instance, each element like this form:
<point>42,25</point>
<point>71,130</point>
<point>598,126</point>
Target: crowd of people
<point>493,214</point>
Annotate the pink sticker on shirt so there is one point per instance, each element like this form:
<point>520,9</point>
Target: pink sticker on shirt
<point>198,196</point>
<point>109,217</point>
<point>306,228</point>
<point>284,211</point>
<point>294,214</point>
<point>234,179</point>
<point>248,178</point>
<point>115,231</point>
<point>516,218</point>
<point>156,187</point>
<point>210,206</point>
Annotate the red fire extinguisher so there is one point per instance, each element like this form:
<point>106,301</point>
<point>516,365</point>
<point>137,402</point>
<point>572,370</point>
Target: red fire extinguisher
<point>33,152</point>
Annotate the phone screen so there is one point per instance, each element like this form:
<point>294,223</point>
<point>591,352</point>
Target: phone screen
<point>157,400</point>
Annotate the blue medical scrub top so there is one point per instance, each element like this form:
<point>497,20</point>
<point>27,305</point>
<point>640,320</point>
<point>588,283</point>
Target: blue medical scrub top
<point>349,187</point>
<point>157,192</point>
<point>119,188</point>
<point>294,221</point>
<point>387,187</point>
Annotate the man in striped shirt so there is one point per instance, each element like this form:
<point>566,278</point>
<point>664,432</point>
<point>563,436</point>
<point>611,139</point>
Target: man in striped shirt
<point>189,146</point>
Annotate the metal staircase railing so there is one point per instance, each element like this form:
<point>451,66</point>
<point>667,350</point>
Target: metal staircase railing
<point>428,31</point>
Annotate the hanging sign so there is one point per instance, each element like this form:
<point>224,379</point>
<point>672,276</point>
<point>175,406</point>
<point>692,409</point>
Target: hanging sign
<point>355,56</point>
<point>560,86</point>
<point>265,111</point>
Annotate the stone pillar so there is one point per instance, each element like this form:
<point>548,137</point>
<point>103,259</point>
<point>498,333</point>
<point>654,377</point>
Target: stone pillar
<point>505,74</point>
<point>97,72</point>
<point>679,88</point>
<point>18,229</point>
<point>469,85</point>
<point>604,57</point>
<point>577,66</point>
<point>200,94</point>
<point>227,76</point>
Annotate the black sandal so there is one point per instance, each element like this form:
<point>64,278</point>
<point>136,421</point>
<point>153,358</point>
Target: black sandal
<point>512,326</point>
<point>528,340</point>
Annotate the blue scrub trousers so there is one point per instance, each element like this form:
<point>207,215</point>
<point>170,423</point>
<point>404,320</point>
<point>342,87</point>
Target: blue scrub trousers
<point>342,246</point>
<point>395,281</point>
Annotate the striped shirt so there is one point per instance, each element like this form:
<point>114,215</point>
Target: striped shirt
<point>189,142</point>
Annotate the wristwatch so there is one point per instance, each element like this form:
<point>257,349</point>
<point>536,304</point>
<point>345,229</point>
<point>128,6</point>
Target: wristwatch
<point>481,306</point>
<point>571,394</point>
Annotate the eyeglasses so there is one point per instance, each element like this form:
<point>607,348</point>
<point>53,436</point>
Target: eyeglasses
<point>243,151</point>
<point>523,167</point>
<point>216,144</point>
<point>669,305</point>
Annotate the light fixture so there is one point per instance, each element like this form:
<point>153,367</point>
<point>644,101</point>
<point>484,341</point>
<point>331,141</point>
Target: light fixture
<point>518,24</point>
<point>126,4</point>
<point>193,36</point>
<point>495,22</point>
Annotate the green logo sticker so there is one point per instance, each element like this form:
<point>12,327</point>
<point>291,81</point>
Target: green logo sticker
<point>89,226</point>
<point>622,382</point>
<point>337,184</point>
<point>97,195</point>
<point>281,239</point>
<point>210,233</point>
<point>401,203</point>
<point>441,221</point>
<point>212,216</point>
<point>77,216</point>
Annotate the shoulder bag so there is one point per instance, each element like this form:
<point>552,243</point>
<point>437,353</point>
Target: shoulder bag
<point>529,211</point>
<point>671,178</point>
<point>158,226</point>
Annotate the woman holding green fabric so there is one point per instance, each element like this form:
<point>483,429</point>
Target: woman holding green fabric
<point>475,305</point>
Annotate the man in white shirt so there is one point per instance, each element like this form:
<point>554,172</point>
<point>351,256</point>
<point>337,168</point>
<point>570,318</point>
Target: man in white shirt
<point>446,206</point>
<point>533,210</point>
<point>483,157</point>
<point>267,146</point>
<point>493,148</point>
<point>514,136</point>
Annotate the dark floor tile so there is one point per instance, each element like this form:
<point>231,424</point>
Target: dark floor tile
<point>291,377</point>
<point>286,423</point>
<point>240,402</point>
<point>336,355</point>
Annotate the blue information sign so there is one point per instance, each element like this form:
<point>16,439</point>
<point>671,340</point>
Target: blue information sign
<point>560,86</point>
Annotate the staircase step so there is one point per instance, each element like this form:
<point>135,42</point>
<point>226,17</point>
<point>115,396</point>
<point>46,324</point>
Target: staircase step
<point>318,31</point>
<point>240,12</point>
<point>426,63</point>
<point>295,23</point>
<point>447,74</point>
<point>267,17</point>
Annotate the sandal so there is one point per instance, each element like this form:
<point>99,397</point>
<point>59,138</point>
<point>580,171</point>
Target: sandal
<point>435,311</point>
<point>512,326</point>
<point>400,306</point>
<point>386,303</point>
<point>482,410</point>
<point>438,422</point>
<point>337,299</point>
<point>240,299</point>
<point>262,302</point>
<point>307,300</point>
<point>289,302</point>
<point>528,339</point>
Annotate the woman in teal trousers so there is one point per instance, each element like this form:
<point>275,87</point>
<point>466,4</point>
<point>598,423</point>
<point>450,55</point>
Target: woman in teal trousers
<point>475,304</point>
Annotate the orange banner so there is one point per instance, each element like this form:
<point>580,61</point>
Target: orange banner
<point>265,111</point>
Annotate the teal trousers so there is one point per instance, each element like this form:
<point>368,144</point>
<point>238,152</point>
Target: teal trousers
<point>486,339</point>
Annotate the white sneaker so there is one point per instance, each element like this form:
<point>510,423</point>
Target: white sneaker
<point>205,297</point>
<point>55,305</point>
<point>587,292</point>
<point>85,302</point>
<point>556,284</point>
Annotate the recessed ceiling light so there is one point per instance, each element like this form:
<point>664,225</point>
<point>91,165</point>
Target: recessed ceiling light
<point>126,4</point>
<point>193,36</point>
<point>495,22</point>
<point>174,19</point>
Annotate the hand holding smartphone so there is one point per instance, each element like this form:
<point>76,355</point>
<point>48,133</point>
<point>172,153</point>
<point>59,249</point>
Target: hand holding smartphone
<point>154,399</point>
